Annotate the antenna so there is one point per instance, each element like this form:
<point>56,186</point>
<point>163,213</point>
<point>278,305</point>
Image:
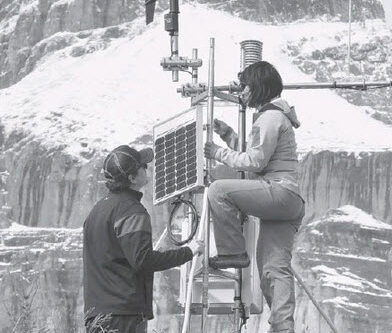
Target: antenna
<point>349,37</point>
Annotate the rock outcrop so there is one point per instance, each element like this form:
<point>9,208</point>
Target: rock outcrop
<point>370,61</point>
<point>41,280</point>
<point>342,255</point>
<point>27,28</point>
<point>286,11</point>
<point>344,258</point>
<point>43,187</point>
<point>48,186</point>
<point>332,179</point>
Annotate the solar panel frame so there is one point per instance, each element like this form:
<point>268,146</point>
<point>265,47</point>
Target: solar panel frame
<point>178,151</point>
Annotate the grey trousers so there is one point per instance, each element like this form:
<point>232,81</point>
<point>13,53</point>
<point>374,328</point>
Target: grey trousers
<point>281,212</point>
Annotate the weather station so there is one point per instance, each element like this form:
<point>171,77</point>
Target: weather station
<point>182,176</point>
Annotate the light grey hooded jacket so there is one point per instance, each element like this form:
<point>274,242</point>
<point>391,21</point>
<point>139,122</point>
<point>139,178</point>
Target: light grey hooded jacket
<point>271,147</point>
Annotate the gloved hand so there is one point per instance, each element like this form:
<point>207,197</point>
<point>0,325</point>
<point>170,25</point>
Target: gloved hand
<point>196,246</point>
<point>210,149</point>
<point>221,128</point>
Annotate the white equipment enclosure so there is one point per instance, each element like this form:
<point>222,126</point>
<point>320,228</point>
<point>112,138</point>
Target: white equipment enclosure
<point>221,290</point>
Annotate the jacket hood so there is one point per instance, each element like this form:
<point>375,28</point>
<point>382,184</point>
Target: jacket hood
<point>288,111</point>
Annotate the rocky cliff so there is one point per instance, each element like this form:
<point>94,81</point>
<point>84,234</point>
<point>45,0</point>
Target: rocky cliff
<point>332,179</point>
<point>48,186</point>
<point>343,256</point>
<point>31,29</point>
<point>370,60</point>
<point>43,187</point>
<point>286,11</point>
<point>40,280</point>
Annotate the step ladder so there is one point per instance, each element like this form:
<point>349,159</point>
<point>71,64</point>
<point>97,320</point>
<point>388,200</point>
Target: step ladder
<point>233,292</point>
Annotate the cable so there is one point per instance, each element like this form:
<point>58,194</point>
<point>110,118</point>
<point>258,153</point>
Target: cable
<point>194,217</point>
<point>316,304</point>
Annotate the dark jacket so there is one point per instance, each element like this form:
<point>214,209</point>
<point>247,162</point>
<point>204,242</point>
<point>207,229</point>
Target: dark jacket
<point>118,258</point>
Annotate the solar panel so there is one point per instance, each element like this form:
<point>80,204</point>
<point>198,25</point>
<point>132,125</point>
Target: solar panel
<point>178,147</point>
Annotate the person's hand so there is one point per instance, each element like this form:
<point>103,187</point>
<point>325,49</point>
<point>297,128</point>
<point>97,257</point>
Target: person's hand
<point>220,127</point>
<point>196,246</point>
<point>210,149</point>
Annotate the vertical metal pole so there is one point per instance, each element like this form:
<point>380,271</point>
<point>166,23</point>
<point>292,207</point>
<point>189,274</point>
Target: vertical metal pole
<point>192,196</point>
<point>190,216</point>
<point>195,73</point>
<point>349,37</point>
<point>238,283</point>
<point>174,10</point>
<point>237,300</point>
<point>210,102</point>
<point>174,52</point>
<point>242,131</point>
<point>210,120</point>
<point>251,52</point>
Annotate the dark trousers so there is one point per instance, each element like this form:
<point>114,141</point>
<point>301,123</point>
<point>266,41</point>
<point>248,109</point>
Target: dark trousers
<point>281,212</point>
<point>116,324</point>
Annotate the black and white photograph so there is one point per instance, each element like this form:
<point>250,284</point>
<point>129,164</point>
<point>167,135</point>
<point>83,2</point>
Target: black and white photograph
<point>195,166</point>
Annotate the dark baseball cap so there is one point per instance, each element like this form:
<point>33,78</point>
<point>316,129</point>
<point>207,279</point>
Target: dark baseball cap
<point>124,160</point>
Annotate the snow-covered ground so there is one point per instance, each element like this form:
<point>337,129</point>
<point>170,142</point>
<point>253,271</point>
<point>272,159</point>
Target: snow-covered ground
<point>113,96</point>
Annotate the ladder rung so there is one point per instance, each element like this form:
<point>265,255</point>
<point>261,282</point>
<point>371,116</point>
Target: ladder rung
<point>213,308</point>
<point>219,274</point>
<point>216,284</point>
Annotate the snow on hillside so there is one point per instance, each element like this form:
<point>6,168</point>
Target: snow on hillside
<point>345,280</point>
<point>351,214</point>
<point>15,228</point>
<point>114,96</point>
<point>19,243</point>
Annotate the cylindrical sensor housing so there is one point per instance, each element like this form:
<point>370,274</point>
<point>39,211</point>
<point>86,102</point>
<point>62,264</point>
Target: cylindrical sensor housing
<point>251,52</point>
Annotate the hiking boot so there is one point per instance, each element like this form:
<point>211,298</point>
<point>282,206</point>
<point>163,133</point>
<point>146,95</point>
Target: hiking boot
<point>224,261</point>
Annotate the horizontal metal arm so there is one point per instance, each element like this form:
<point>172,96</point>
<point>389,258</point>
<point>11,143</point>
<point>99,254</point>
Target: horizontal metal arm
<point>190,90</point>
<point>180,63</point>
<point>339,85</point>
